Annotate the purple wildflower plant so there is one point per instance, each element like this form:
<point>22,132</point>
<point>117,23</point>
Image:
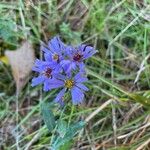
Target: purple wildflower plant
<point>63,67</point>
<point>75,57</point>
<point>73,84</point>
<point>55,50</point>
<point>46,71</point>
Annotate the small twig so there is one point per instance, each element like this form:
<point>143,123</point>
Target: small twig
<point>142,68</point>
<point>35,138</point>
<point>98,110</point>
<point>92,145</point>
<point>92,115</point>
<point>114,123</point>
<point>129,134</point>
<point>141,147</point>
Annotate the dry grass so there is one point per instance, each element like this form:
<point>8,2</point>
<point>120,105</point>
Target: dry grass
<point>117,106</point>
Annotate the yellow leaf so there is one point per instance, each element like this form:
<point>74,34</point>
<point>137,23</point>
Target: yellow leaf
<point>4,59</point>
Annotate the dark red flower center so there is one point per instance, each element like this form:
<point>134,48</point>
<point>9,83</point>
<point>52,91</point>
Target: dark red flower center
<point>48,72</point>
<point>77,57</point>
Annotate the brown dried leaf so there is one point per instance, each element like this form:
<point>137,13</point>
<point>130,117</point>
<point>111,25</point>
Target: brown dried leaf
<point>21,62</point>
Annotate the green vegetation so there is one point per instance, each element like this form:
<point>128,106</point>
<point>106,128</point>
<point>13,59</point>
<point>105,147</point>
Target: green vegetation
<point>117,106</point>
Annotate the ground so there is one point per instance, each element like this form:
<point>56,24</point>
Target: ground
<point>116,108</point>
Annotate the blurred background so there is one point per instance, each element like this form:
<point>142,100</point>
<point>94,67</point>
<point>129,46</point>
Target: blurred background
<point>119,74</point>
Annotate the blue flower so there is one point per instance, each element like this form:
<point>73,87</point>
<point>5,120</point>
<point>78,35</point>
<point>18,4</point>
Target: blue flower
<point>75,57</point>
<point>63,67</point>
<point>55,50</point>
<point>46,70</point>
<point>67,83</point>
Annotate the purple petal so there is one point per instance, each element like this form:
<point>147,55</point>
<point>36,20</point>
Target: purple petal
<point>60,76</point>
<point>82,67</point>
<point>56,45</point>
<point>68,75</point>
<point>60,95</point>
<point>54,83</point>
<point>69,51</point>
<point>77,76</point>
<point>38,62</point>
<point>89,54</point>
<point>46,86</point>
<point>41,64</point>
<point>65,62</point>
<point>38,80</point>
<point>48,57</point>
<point>86,50</point>
<point>70,67</point>
<point>45,49</point>
<point>80,78</point>
<point>81,86</point>
<point>55,86</point>
<point>36,69</point>
<point>58,68</point>
<point>77,95</point>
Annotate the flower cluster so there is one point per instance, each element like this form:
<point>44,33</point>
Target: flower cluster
<point>63,67</point>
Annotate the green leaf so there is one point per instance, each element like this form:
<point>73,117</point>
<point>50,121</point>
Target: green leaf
<point>62,128</point>
<point>73,129</point>
<point>67,145</point>
<point>69,134</point>
<point>7,32</point>
<point>48,116</point>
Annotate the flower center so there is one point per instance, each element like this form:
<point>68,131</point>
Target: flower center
<point>77,57</point>
<point>48,72</point>
<point>69,83</point>
<point>56,57</point>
